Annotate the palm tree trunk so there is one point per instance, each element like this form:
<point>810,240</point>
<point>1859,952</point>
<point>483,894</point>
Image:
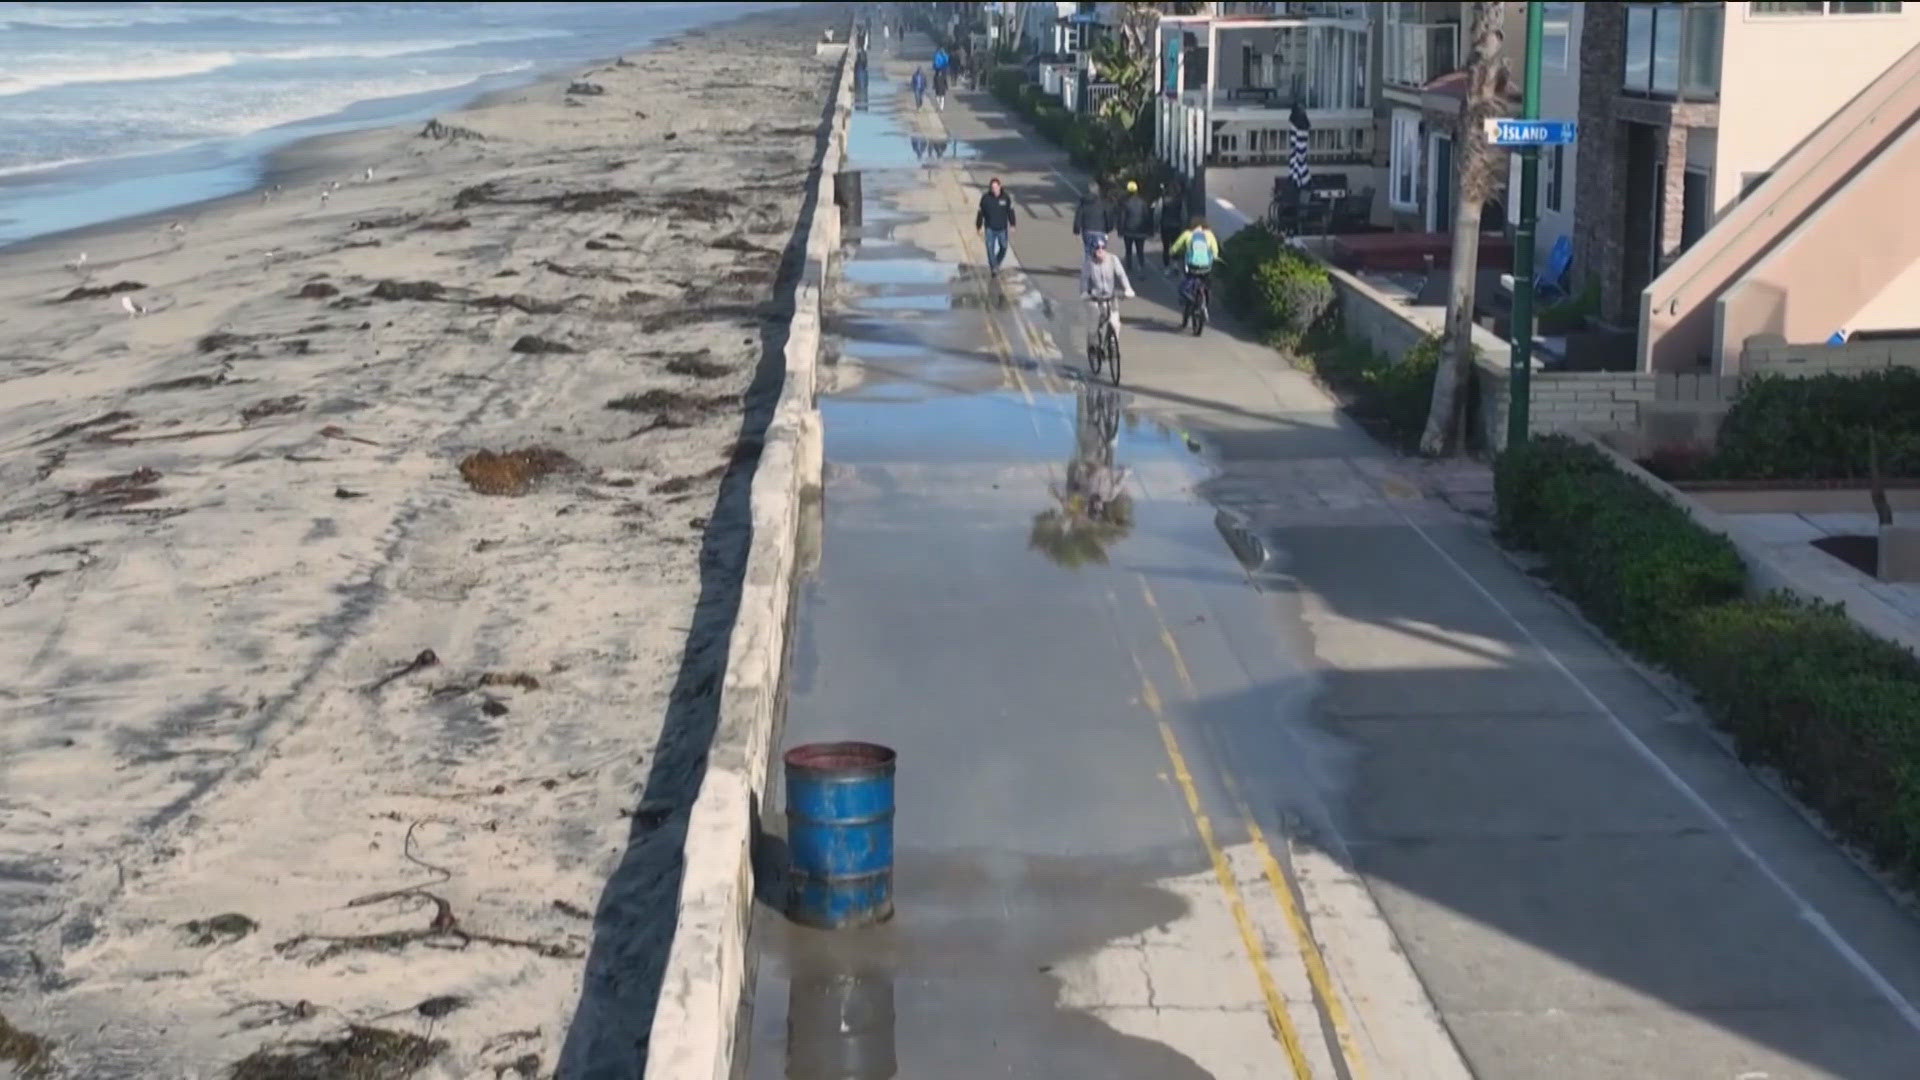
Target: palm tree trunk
<point>1486,78</point>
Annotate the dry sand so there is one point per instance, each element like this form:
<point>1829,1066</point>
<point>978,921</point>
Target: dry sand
<point>225,522</point>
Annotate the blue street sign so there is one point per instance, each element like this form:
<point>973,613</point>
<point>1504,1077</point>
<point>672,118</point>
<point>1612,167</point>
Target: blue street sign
<point>1531,132</point>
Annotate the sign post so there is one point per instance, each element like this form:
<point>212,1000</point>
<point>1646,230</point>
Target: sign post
<point>1529,133</point>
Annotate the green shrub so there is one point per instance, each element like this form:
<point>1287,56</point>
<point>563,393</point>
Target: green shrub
<point>1240,256</point>
<point>1634,562</point>
<point>1006,85</point>
<point>1835,709</point>
<point>1519,475</point>
<point>1400,392</point>
<point>1290,294</point>
<point>1819,428</point>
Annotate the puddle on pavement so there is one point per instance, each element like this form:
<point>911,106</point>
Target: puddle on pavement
<point>920,270</point>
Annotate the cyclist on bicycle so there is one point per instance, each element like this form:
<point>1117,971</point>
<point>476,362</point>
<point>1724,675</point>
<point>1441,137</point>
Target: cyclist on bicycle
<point>1101,278</point>
<point>1198,249</point>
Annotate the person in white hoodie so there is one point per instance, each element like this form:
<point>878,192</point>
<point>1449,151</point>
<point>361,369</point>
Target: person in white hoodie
<point>1102,278</point>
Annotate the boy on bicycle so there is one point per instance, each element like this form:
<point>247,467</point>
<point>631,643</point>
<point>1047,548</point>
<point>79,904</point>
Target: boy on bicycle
<point>1198,249</point>
<point>1101,279</point>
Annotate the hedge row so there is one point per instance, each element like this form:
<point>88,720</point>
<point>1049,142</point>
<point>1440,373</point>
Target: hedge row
<point>1820,428</point>
<point>1801,688</point>
<point>1289,299</point>
<point>1106,151</point>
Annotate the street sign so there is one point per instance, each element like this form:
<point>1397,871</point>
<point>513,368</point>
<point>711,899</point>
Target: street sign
<point>1531,132</point>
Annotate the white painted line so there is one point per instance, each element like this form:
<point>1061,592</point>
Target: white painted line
<point>1804,909</point>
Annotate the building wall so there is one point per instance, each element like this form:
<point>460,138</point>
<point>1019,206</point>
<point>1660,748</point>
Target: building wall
<point>1559,100</point>
<point>1764,112</point>
<point>1896,308</point>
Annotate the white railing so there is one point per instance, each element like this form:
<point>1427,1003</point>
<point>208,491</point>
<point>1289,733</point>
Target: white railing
<point>1415,54</point>
<point>1098,94</point>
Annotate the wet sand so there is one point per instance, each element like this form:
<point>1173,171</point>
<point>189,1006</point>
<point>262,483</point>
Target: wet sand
<point>344,586</point>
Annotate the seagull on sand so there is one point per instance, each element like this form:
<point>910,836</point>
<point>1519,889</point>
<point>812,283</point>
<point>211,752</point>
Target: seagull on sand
<point>324,196</point>
<point>79,264</point>
<point>132,309</point>
<point>369,176</point>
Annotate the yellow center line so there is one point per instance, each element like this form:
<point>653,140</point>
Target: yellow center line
<point>1277,880</point>
<point>1279,1020</point>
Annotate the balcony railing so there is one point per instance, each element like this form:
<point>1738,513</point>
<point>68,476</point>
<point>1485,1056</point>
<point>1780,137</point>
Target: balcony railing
<point>1673,51</point>
<point>1415,54</point>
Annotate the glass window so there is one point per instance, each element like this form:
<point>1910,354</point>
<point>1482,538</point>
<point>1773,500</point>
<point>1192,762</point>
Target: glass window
<point>1695,206</point>
<point>1700,67</point>
<point>1667,24</point>
<point>1836,7</point>
<point>1555,33</point>
<point>1639,49</point>
<point>1406,161</point>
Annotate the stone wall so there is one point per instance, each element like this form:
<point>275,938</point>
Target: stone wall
<point>1852,358</point>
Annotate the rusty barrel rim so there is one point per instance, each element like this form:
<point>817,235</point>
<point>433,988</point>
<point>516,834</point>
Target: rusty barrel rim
<point>841,759</point>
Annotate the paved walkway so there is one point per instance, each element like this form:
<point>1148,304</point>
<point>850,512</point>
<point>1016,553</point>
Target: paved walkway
<point>1283,772</point>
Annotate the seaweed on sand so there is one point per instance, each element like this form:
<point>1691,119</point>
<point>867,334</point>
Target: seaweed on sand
<point>362,1053</point>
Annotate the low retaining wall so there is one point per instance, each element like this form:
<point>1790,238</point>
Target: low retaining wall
<point>1851,358</point>
<point>693,1034</point>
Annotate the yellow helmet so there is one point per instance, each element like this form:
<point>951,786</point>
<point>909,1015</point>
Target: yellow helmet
<point>1131,186</point>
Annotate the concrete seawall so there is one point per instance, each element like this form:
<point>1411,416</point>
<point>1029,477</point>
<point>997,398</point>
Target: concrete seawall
<point>693,1032</point>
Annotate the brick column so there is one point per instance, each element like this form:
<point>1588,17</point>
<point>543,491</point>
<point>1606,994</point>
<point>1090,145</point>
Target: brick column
<point>1673,195</point>
<point>1599,190</point>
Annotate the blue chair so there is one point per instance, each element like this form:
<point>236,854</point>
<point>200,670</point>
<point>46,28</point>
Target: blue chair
<point>1552,279</point>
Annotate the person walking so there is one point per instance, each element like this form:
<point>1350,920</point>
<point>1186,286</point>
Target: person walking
<point>1173,217</point>
<point>919,84</point>
<point>995,220</point>
<point>939,89</point>
<point>941,60</point>
<point>1093,219</point>
<point>1136,224</point>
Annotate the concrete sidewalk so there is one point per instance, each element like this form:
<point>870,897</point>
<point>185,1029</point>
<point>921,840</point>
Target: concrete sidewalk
<point>1289,774</point>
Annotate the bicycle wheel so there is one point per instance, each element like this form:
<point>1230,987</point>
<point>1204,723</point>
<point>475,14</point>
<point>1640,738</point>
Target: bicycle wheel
<point>1113,356</point>
<point>1199,314</point>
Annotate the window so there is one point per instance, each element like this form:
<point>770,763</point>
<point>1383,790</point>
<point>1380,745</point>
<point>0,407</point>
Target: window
<point>1673,51</point>
<point>1815,7</point>
<point>1404,193</point>
<point>1696,201</point>
<point>1556,33</point>
<point>1554,162</point>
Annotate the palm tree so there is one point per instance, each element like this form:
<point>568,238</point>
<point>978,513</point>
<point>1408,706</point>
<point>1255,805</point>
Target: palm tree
<point>1093,510</point>
<point>1486,85</point>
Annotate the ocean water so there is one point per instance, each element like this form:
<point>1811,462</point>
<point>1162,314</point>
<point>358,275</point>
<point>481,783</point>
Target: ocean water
<point>109,110</point>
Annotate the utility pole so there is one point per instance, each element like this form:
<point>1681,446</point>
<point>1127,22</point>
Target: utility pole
<point>1520,375</point>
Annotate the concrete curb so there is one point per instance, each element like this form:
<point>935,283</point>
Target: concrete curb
<point>693,1032</point>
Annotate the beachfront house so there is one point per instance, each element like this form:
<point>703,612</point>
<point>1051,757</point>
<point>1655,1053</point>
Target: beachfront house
<point>1233,83</point>
<point>1746,177</point>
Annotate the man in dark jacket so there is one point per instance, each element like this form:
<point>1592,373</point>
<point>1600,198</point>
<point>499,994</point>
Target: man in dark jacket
<point>1094,218</point>
<point>1136,224</point>
<point>1173,221</point>
<point>995,219</point>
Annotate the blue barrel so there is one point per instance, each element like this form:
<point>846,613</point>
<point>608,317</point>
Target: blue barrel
<point>840,834</point>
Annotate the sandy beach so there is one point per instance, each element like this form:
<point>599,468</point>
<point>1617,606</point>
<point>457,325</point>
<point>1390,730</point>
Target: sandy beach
<point>352,534</point>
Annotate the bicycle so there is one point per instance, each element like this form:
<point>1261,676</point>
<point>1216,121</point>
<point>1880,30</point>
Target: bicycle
<point>1103,347</point>
<point>1194,294</point>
